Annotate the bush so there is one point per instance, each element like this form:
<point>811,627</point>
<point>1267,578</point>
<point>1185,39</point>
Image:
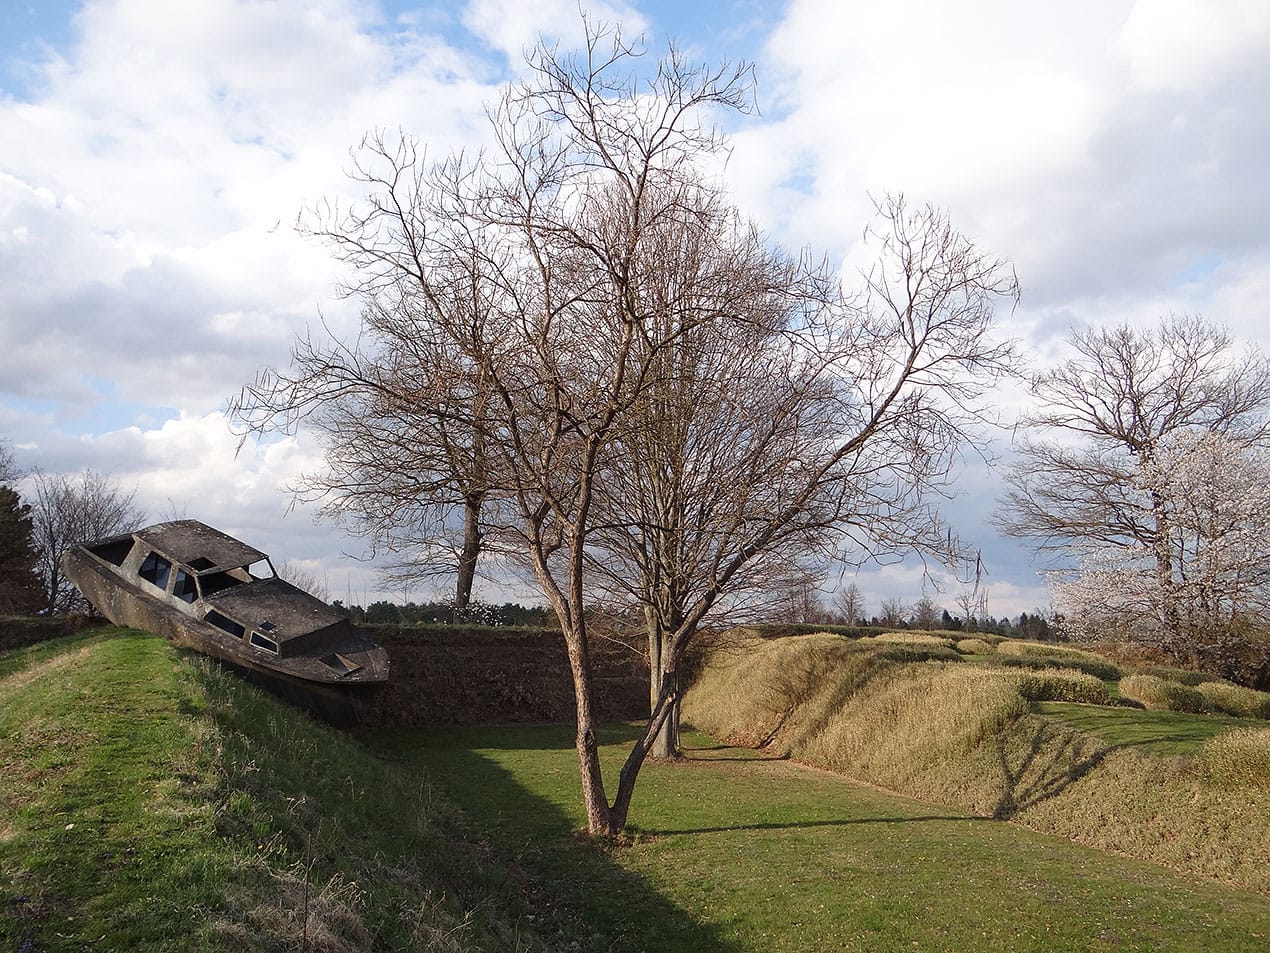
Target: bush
<point>914,647</point>
<point>974,647</point>
<point>1183,676</point>
<point>1063,685</point>
<point>1040,655</point>
<point>1160,694</point>
<point>913,638</point>
<point>1236,700</point>
<point>1239,757</point>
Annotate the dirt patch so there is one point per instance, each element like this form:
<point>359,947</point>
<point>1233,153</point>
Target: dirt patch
<point>26,676</point>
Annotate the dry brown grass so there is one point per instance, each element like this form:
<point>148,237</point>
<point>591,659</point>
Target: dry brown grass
<point>1044,653</point>
<point>911,638</point>
<point>1239,757</point>
<point>1235,699</point>
<point>964,735</point>
<point>1063,685</point>
<point>1161,694</point>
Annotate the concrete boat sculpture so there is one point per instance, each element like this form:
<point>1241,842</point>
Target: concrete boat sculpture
<point>206,590</point>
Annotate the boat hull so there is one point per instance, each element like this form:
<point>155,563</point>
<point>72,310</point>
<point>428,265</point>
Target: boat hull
<point>339,703</point>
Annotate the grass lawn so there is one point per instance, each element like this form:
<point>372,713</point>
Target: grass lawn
<point>1154,732</point>
<point>104,822</point>
<point>152,801</point>
<point>736,853</point>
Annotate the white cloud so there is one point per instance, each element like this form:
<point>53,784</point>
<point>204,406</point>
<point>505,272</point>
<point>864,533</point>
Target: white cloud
<point>514,27</point>
<point>1178,45</point>
<point>1033,125</point>
<point>1115,151</point>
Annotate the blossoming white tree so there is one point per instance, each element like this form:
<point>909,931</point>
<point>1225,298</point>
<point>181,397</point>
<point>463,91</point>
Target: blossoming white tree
<point>1213,494</point>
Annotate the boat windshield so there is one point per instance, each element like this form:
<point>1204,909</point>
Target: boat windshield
<point>220,581</point>
<point>185,588</point>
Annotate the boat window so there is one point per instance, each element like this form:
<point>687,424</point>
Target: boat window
<point>219,581</point>
<point>261,569</point>
<point>221,622</point>
<point>185,589</point>
<point>114,553</point>
<point>260,642</point>
<point>342,665</point>
<point>155,569</point>
<point>202,564</point>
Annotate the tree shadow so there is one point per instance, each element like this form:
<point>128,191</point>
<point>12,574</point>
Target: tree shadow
<point>580,897</point>
<point>801,825</point>
<point>1049,762</point>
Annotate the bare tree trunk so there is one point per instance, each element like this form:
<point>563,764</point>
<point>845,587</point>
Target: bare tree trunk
<point>471,550</point>
<point>665,744</point>
<point>600,820</point>
<point>667,704</point>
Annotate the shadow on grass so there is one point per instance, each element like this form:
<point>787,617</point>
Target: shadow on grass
<point>581,895</point>
<point>801,825</point>
<point>1050,762</point>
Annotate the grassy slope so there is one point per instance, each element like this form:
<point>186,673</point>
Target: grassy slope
<point>732,852</point>
<point>155,803</point>
<point>962,734</point>
<point>1166,733</point>
<point>202,809</point>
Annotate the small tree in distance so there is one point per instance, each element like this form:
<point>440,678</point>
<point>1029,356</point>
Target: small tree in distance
<point>68,510</point>
<point>848,603</point>
<point>926,614</point>
<point>893,612</point>
<point>1097,483</point>
<point>20,590</point>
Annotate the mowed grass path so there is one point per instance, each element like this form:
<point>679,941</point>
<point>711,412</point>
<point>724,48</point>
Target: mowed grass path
<point>741,853</point>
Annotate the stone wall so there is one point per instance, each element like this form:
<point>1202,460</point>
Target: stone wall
<point>469,675</point>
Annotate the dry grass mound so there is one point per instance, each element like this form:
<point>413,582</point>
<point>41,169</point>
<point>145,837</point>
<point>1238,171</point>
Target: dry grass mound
<point>915,646</point>
<point>1235,699</point>
<point>1063,685</point>
<point>974,646</point>
<point>1161,694</point>
<point>1044,654</point>
<point>965,735</point>
<point>1183,676</point>
<point>1238,758</point>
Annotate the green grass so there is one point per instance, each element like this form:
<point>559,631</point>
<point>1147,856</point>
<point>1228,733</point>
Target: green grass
<point>105,786</point>
<point>1167,733</point>
<point>965,735</point>
<point>150,800</point>
<point>736,853</point>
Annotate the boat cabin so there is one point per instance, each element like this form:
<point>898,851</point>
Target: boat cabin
<point>210,575</point>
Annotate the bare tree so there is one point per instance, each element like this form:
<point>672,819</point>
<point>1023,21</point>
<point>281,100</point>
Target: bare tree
<point>925,614</point>
<point>893,611</point>
<point>973,603</point>
<point>1076,488</point>
<point>68,510</point>
<point>522,299</point>
<point>848,603</point>
<point>9,472</point>
<point>821,427</point>
<point>304,578</point>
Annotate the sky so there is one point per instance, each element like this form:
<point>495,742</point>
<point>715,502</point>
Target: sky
<point>154,157</point>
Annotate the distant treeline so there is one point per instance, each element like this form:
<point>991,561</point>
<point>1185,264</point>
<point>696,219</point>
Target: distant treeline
<point>441,613</point>
<point>1035,626</point>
